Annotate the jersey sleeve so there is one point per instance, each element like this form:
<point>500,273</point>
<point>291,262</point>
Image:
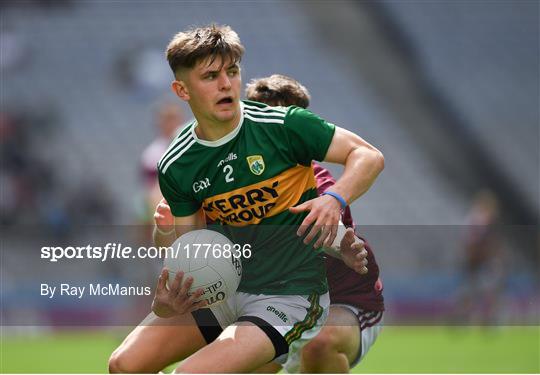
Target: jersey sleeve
<point>309,135</point>
<point>181,203</point>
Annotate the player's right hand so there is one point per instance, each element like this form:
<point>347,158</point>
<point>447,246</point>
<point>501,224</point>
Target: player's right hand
<point>163,216</point>
<point>323,217</point>
<point>175,300</point>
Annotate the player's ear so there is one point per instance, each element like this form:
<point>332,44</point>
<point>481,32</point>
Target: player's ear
<point>180,89</point>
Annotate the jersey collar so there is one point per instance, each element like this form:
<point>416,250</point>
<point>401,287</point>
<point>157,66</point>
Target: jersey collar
<point>222,140</point>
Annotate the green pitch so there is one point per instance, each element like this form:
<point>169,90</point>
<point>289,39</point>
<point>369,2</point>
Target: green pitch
<point>454,350</point>
<point>398,350</point>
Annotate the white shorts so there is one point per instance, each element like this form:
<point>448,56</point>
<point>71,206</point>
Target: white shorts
<point>371,323</point>
<point>289,321</point>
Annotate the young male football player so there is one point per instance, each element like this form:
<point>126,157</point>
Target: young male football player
<point>248,165</point>
<point>356,301</point>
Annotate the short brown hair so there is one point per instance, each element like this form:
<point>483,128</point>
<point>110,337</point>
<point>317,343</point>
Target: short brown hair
<point>189,47</point>
<point>278,90</point>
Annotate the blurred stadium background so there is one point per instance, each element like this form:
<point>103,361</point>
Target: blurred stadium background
<point>449,91</point>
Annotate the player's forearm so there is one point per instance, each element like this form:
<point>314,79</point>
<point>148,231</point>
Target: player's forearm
<point>362,167</point>
<point>164,239</point>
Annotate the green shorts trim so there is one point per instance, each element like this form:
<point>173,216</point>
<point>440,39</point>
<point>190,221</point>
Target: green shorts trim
<point>314,312</point>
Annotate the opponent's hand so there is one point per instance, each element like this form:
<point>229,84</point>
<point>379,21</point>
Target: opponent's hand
<point>175,300</point>
<point>353,252</point>
<point>324,213</point>
<point>163,216</point>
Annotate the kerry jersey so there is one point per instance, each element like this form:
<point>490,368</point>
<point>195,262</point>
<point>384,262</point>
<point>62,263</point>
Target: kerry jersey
<point>247,181</point>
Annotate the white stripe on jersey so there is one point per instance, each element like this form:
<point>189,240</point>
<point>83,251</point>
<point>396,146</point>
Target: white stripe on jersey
<point>266,114</point>
<point>178,155</point>
<point>266,109</point>
<point>172,148</point>
<point>269,120</point>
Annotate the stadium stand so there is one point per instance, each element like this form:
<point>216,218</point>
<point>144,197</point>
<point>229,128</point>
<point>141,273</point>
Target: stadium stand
<point>83,60</point>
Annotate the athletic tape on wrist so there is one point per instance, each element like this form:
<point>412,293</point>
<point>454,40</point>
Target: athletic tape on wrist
<point>165,233</point>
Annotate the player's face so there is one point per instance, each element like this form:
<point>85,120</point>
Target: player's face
<point>213,90</point>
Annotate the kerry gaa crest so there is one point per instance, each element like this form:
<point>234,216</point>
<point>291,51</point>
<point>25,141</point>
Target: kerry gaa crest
<point>256,164</point>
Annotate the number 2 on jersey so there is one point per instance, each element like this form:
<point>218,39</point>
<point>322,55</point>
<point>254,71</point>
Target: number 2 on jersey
<point>228,170</point>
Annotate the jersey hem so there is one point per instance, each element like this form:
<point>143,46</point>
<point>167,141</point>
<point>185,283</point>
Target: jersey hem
<point>284,291</point>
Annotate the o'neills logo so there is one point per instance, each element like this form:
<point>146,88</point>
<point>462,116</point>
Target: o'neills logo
<point>230,157</point>
<point>244,207</point>
<point>280,314</point>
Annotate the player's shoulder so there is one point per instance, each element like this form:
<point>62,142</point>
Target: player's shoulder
<point>180,144</point>
<point>253,105</point>
<point>285,114</point>
<point>260,113</point>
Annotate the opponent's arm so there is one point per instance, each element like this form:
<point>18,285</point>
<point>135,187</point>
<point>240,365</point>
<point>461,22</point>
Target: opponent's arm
<point>175,299</point>
<point>168,227</point>
<point>349,249</point>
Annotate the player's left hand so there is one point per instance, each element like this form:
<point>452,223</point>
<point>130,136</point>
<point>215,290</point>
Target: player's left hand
<point>353,252</point>
<point>324,214</point>
<point>175,300</point>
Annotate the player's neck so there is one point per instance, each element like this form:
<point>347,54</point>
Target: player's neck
<point>214,130</point>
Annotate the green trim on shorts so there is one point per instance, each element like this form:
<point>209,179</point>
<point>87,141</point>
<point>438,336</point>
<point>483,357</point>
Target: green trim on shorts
<point>314,312</point>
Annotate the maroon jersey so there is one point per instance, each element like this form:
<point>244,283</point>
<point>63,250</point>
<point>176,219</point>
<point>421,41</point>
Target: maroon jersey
<point>345,285</point>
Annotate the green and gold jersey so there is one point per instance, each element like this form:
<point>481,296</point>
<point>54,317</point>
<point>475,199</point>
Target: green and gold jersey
<point>247,181</point>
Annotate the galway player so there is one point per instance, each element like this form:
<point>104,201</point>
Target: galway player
<point>269,182</point>
<point>356,301</point>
